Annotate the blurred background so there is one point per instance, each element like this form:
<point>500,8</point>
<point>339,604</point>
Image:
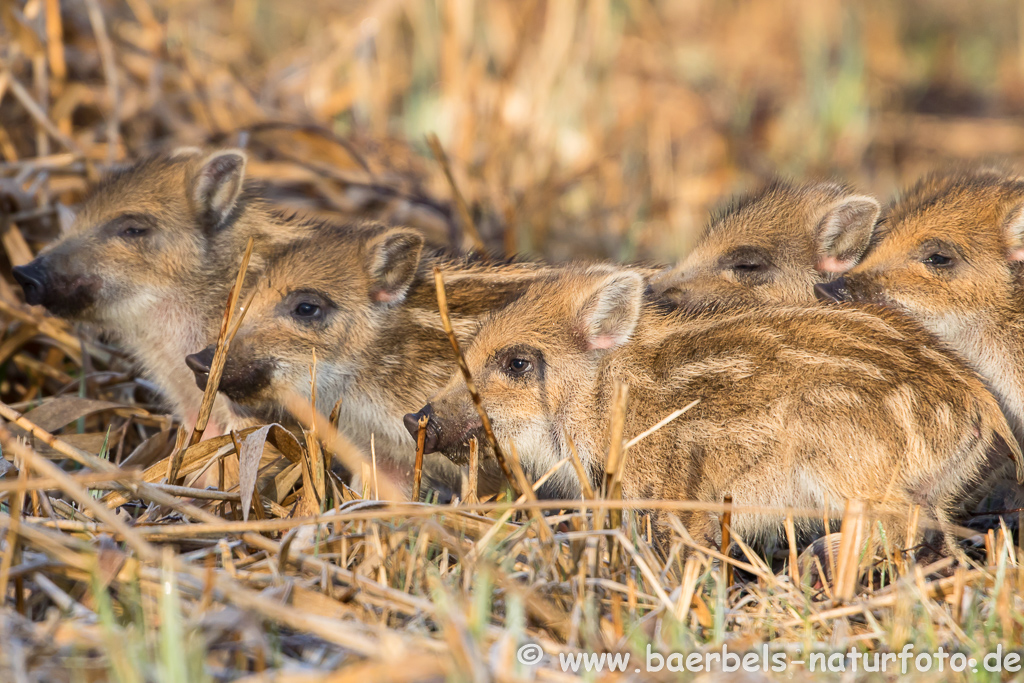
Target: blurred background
<point>573,128</point>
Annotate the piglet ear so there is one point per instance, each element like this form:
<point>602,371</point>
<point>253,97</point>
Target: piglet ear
<point>844,231</point>
<point>394,258</point>
<point>610,314</point>
<point>1014,230</point>
<point>216,186</point>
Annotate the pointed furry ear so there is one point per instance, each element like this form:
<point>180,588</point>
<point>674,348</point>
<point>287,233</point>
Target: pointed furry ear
<point>845,231</point>
<point>217,185</point>
<point>1014,227</point>
<point>610,315</point>
<point>394,257</point>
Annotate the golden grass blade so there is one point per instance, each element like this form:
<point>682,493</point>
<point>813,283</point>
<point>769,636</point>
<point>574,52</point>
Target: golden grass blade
<point>794,567</point>
<point>55,42</point>
<point>710,552</point>
<point>421,437</point>
<point>201,494</point>
<point>177,457</point>
<point>691,572</point>
<point>616,453</point>
<point>57,331</point>
<point>852,534</point>
<point>221,354</point>
<point>315,456</point>
<point>474,471</point>
<point>339,446</point>
<point>661,423</point>
<point>78,492</point>
<point>92,480</point>
<point>543,528</point>
<point>106,50</point>
<point>11,547</point>
<point>581,473</point>
<point>726,542</point>
<point>499,454</point>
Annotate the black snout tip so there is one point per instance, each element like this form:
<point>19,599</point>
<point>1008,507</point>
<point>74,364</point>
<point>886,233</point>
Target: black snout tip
<point>833,292</point>
<point>31,280</point>
<point>199,364</point>
<point>412,423</point>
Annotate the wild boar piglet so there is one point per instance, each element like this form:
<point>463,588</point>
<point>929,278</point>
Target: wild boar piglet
<point>151,257</point>
<point>950,254</point>
<point>364,301</point>
<point>774,245</point>
<point>802,406</point>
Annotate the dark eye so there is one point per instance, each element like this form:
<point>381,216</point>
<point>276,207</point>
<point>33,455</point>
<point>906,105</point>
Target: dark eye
<point>133,231</point>
<point>519,366</point>
<point>746,260</point>
<point>937,260</point>
<point>307,310</point>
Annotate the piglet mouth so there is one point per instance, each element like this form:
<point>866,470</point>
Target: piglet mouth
<point>452,440</point>
<point>62,295</point>
<point>458,452</point>
<point>837,291</point>
<point>243,380</point>
<point>200,364</point>
<point>431,433</point>
<point>863,294</point>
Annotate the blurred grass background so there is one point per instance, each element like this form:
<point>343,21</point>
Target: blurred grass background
<point>575,128</point>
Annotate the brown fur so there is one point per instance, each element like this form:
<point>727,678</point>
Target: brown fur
<point>975,218</point>
<point>799,406</point>
<point>774,245</point>
<point>379,343</point>
<point>162,292</point>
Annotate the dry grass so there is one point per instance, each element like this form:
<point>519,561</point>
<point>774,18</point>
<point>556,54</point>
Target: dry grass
<point>598,129</point>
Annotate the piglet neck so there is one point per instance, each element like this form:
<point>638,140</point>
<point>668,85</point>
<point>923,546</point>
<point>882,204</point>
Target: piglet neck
<point>994,347</point>
<point>160,341</point>
<point>588,418</point>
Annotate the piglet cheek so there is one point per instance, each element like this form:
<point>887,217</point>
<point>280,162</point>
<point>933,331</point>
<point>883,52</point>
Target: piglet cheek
<point>212,427</point>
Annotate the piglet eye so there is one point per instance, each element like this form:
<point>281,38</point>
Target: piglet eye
<point>133,231</point>
<point>937,260</point>
<point>307,310</point>
<point>519,366</point>
<point>747,266</point>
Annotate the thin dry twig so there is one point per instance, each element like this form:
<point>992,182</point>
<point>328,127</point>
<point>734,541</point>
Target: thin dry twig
<point>469,226</point>
<point>99,27</point>
<point>726,541</point>
<point>499,454</point>
<point>221,353</point>
<point>36,112</point>
<point>421,436</point>
<point>77,492</point>
<point>474,471</point>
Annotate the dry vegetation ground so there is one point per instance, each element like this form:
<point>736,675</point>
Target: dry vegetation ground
<point>586,129</point>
